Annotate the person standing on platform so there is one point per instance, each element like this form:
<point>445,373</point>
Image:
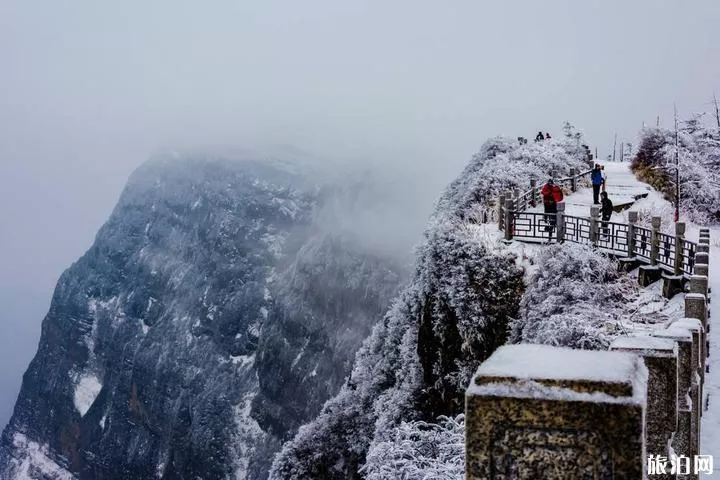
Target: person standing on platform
<point>596,178</point>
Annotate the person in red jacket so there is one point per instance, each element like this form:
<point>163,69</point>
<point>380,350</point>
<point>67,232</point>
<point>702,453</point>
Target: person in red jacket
<point>551,194</point>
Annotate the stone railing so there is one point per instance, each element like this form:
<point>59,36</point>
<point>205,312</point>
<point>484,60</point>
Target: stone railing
<point>542,412</point>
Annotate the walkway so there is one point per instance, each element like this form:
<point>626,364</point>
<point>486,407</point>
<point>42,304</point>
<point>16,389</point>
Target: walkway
<point>622,188</point>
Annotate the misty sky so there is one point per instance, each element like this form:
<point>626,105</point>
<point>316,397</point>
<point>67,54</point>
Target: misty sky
<point>89,89</point>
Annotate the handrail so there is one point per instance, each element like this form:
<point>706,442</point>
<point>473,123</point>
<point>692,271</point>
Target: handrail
<point>612,236</point>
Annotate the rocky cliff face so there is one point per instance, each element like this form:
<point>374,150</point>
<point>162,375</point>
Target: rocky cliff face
<point>212,316</point>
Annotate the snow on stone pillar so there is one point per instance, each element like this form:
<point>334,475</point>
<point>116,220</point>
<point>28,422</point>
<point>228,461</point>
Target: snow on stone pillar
<point>501,214</point>
<point>560,223</point>
<point>594,224</point>
<point>632,221</point>
<point>509,219</point>
<point>682,440</point>
<point>661,358</point>
<point>655,240</point>
<point>701,269</point>
<point>573,179</point>
<point>536,411</point>
<point>703,248</point>
<point>679,241</point>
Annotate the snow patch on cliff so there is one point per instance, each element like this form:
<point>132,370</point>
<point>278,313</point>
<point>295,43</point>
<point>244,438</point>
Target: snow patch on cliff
<point>36,463</point>
<point>86,391</point>
<point>248,435</point>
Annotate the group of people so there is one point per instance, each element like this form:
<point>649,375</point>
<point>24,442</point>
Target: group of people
<point>552,194</point>
<point>538,138</point>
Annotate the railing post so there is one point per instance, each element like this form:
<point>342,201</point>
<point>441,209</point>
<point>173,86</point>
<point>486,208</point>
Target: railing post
<point>501,214</point>
<point>632,221</point>
<point>682,440</point>
<point>508,219</point>
<point>594,224</point>
<point>661,359</point>
<point>524,416</point>
<point>705,234</point>
<point>655,240</point>
<point>679,246</point>
<point>560,222</point>
<point>533,187</point>
<point>573,179</point>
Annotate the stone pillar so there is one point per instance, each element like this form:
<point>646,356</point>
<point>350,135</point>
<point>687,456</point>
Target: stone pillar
<point>695,328</point>
<point>699,284</point>
<point>679,241</point>
<point>533,192</point>
<point>573,179</point>
<point>696,307</point>
<point>702,257</point>
<point>509,219</point>
<point>542,412</point>
<point>660,356</point>
<point>632,221</point>
<point>703,248</point>
<point>701,269</point>
<point>501,213</point>
<point>682,440</point>
<point>655,240</point>
<point>594,224</point>
<point>560,222</point>
<point>695,391</point>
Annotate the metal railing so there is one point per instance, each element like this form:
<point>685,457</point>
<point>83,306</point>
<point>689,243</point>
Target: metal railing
<point>611,236</point>
<point>643,243</point>
<point>533,225</point>
<point>666,251</point>
<point>688,257</point>
<point>577,229</point>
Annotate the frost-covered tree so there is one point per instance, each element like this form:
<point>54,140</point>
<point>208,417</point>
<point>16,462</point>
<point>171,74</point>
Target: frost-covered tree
<point>698,157</point>
<point>571,298</point>
<point>420,451</point>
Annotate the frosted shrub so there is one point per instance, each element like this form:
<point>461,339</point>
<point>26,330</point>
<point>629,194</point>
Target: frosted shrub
<point>574,293</point>
<point>420,451</point>
<point>698,155</point>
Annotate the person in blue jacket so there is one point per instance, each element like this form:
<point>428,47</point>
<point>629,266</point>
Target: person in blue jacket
<point>596,176</point>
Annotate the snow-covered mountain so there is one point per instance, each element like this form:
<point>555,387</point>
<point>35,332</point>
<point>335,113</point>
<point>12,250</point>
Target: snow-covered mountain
<point>216,311</point>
